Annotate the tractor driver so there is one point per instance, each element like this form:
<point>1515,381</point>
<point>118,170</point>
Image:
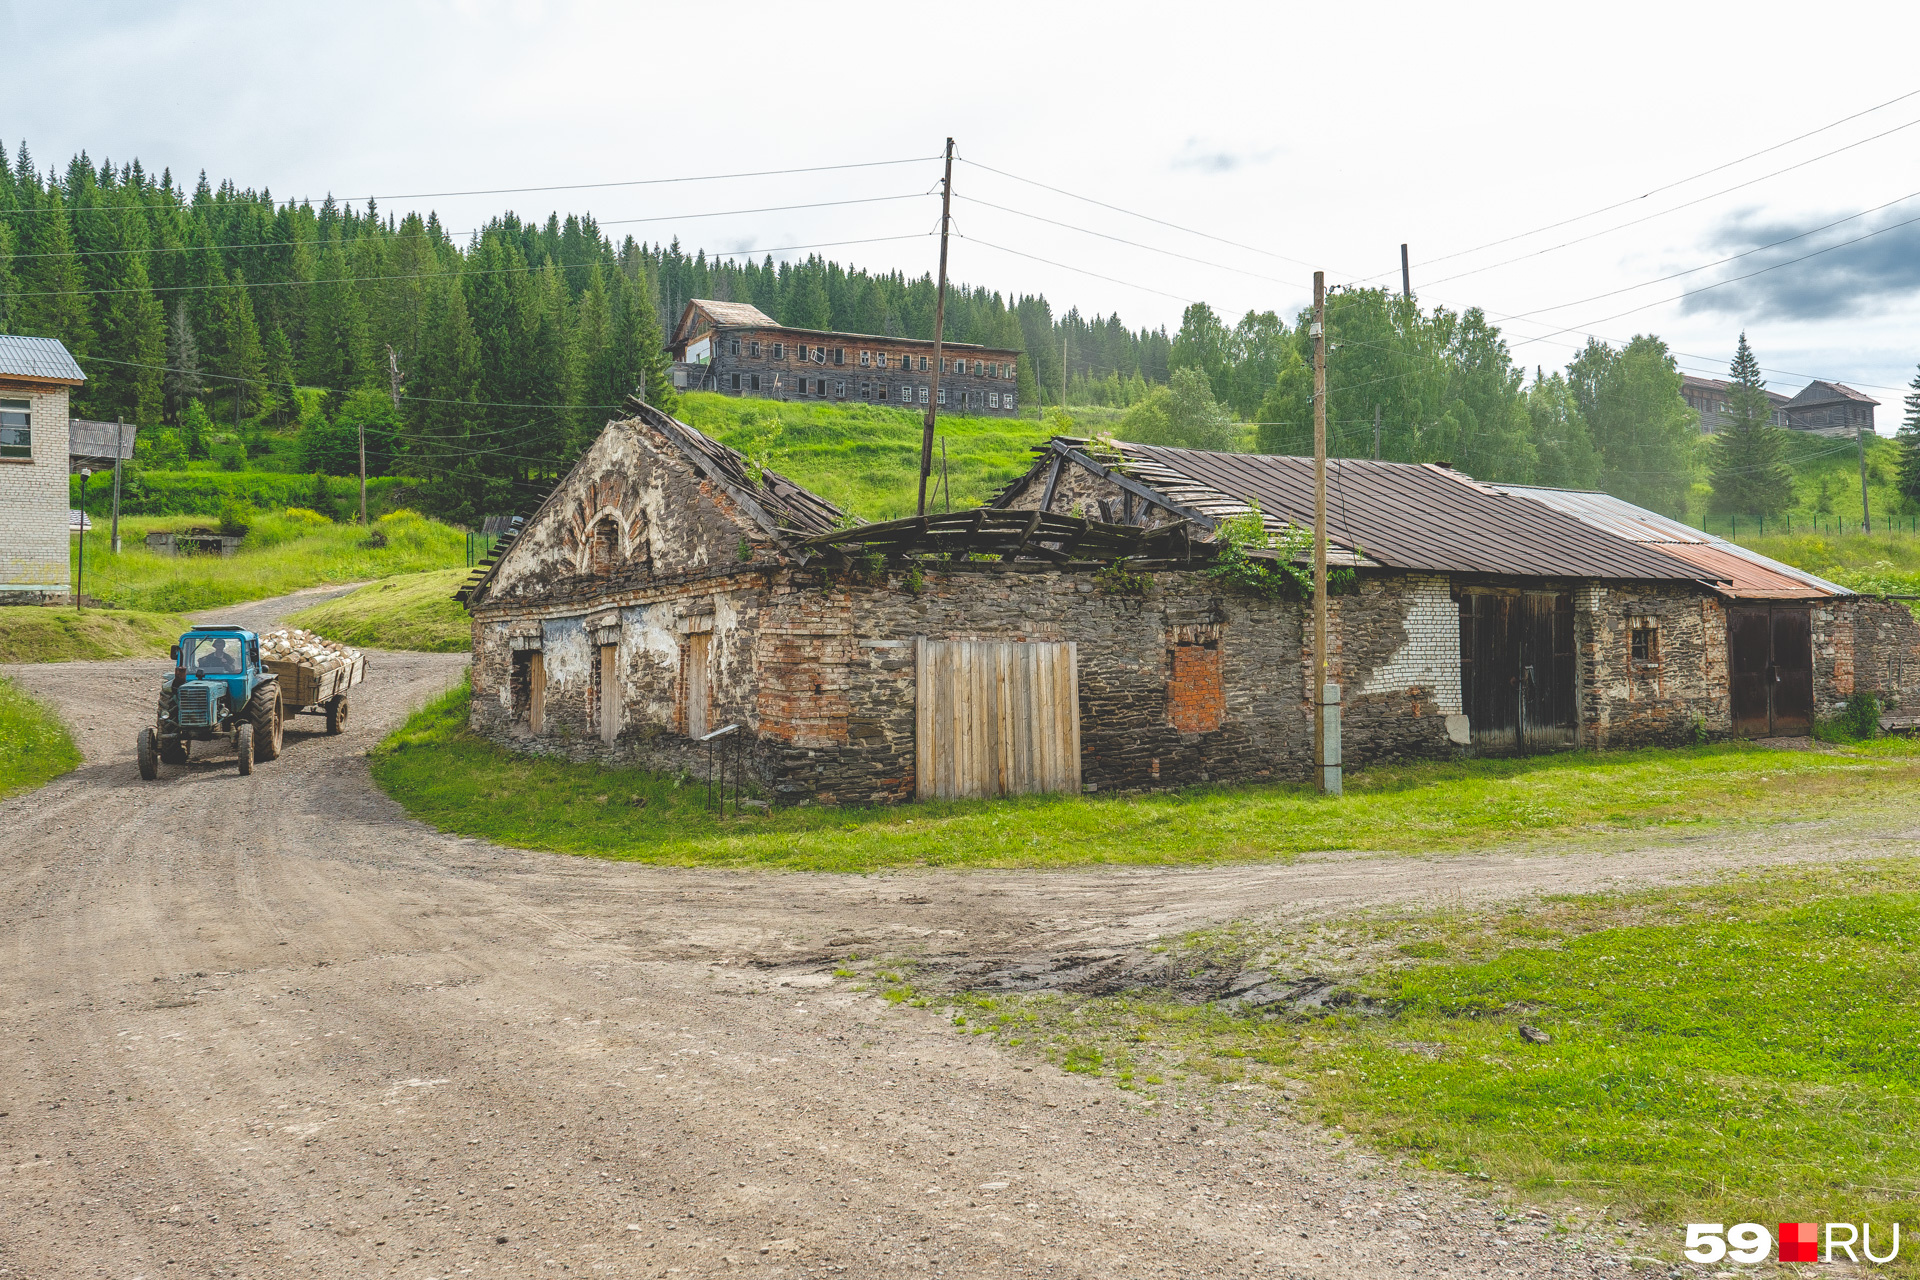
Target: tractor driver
<point>220,658</point>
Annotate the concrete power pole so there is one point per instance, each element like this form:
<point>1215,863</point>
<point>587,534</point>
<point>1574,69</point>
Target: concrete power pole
<point>119,447</point>
<point>1326,694</point>
<point>939,326</point>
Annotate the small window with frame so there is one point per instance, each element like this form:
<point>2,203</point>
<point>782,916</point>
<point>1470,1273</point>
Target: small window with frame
<point>839,390</point>
<point>779,351</point>
<point>923,364</point>
<point>733,346</point>
<point>1644,642</point>
<point>16,429</point>
<point>839,355</point>
<point>753,349</point>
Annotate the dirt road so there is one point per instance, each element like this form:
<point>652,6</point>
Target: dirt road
<point>267,1026</point>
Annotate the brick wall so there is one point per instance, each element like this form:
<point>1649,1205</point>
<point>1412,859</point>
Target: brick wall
<point>1624,703</point>
<point>36,554</point>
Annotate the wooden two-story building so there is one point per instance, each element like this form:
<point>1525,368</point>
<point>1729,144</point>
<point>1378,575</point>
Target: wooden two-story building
<point>736,348</point>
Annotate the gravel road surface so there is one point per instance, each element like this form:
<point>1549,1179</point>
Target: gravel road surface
<point>269,1026</point>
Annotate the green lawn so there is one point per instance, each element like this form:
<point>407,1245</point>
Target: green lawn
<point>47,633</point>
<point>863,458</point>
<point>462,783</point>
<point>1739,1052</point>
<point>283,552</point>
<point>413,611</point>
<point>34,746</point>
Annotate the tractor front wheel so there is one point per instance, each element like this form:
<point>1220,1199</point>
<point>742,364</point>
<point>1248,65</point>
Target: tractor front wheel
<point>149,751</point>
<point>243,747</point>
<point>173,750</point>
<point>336,715</point>
<point>268,725</point>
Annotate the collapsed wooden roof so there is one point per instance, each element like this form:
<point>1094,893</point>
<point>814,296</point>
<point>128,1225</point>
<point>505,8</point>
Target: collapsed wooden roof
<point>1013,535</point>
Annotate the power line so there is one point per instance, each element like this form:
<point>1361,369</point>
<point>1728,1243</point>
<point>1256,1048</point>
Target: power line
<point>451,235</point>
<point>508,191</point>
<point>451,274</point>
<point>1081,270</point>
<point>1679,182</point>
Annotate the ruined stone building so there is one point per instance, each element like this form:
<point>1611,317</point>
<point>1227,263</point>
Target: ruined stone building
<point>738,349</point>
<point>1072,634</point>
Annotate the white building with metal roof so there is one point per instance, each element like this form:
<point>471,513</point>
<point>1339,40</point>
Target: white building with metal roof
<point>36,377</point>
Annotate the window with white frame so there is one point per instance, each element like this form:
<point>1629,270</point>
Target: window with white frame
<point>866,359</point>
<point>1006,401</point>
<point>753,349</point>
<point>943,395</point>
<point>819,355</point>
<point>779,351</point>
<point>993,399</point>
<point>883,391</point>
<point>839,355</point>
<point>880,359</point>
<point>839,390</point>
<point>16,428</point>
<point>733,346</point>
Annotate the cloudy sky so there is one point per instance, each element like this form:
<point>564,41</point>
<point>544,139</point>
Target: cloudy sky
<point>1678,168</point>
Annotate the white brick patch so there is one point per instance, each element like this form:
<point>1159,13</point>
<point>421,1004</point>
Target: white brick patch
<point>1431,655</point>
<point>36,553</point>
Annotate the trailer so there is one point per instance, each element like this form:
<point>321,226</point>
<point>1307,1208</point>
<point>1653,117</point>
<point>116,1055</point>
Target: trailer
<point>306,690</point>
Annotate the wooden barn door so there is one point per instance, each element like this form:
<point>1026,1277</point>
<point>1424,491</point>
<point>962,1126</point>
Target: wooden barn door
<point>1517,670</point>
<point>996,718</point>
<point>1770,661</point>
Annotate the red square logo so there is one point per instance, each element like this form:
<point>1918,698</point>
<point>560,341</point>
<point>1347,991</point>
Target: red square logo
<point>1799,1242</point>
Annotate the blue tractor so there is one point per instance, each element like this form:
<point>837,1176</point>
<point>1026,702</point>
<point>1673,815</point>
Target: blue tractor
<point>218,690</point>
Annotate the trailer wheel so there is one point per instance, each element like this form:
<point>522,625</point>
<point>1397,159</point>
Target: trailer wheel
<point>243,747</point>
<point>337,715</point>
<point>265,712</point>
<point>149,753</point>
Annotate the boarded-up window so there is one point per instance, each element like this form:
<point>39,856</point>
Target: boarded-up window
<point>996,718</point>
<point>606,548</point>
<point>699,654</point>
<point>1196,700</point>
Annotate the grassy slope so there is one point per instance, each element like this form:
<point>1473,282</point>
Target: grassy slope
<point>34,745</point>
<point>1728,1053</point>
<point>863,458</point>
<point>461,783</point>
<point>414,611</point>
<point>39,633</point>
<point>282,553</point>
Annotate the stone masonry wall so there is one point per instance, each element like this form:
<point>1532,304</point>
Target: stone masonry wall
<point>36,554</point>
<point>1880,643</point>
<point>1662,701</point>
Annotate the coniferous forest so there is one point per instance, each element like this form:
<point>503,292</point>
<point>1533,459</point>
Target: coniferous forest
<point>481,362</point>
<point>509,346</point>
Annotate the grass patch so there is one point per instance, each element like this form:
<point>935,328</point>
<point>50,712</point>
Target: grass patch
<point>1736,1052</point>
<point>52,633</point>
<point>34,746</point>
<point>459,782</point>
<point>282,553</point>
<point>864,458</point>
<point>414,611</point>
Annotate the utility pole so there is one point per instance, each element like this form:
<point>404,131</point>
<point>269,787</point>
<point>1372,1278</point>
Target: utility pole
<point>1063,373</point>
<point>1406,275</point>
<point>1326,695</point>
<point>1866,511</point>
<point>1376,433</point>
<point>939,326</point>
<point>119,447</point>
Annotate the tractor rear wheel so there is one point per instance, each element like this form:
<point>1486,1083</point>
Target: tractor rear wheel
<point>149,752</point>
<point>336,715</point>
<point>243,747</point>
<point>268,725</point>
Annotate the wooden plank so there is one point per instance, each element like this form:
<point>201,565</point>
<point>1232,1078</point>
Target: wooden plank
<point>1071,653</point>
<point>922,722</point>
<point>537,710</point>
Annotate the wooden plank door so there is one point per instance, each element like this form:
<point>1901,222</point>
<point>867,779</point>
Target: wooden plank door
<point>1490,670</point>
<point>1547,717</point>
<point>996,718</point>
<point>537,692</point>
<point>1792,684</point>
<point>699,650</point>
<point>1749,669</point>
<point>609,693</point>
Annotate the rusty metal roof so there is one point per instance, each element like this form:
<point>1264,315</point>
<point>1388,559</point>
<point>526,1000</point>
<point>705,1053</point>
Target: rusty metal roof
<point>1734,570</point>
<point>1414,516</point>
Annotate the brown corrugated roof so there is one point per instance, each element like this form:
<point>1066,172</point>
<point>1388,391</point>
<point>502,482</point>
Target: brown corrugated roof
<point>1414,516</point>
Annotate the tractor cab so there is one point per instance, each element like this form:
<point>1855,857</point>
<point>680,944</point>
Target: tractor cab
<point>215,670</point>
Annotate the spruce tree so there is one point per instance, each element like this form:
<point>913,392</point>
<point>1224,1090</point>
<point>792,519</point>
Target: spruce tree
<point>1750,474</point>
<point>182,379</point>
<point>1909,440</point>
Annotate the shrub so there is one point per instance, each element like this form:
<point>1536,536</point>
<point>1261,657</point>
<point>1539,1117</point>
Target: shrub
<point>230,454</point>
<point>1857,721</point>
<point>236,518</point>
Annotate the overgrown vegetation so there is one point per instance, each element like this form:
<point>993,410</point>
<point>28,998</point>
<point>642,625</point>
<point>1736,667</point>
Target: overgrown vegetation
<point>1730,1052</point>
<point>1283,577</point>
<point>34,746</point>
<point>51,633</point>
<point>413,611</point>
<point>446,776</point>
<point>866,459</point>
<point>282,552</point>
